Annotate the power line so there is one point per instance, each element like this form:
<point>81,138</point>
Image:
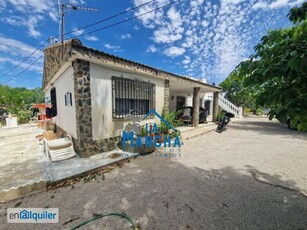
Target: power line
<point>32,63</point>
<point>95,23</point>
<point>129,19</point>
<point>111,17</point>
<point>16,66</point>
<point>103,28</point>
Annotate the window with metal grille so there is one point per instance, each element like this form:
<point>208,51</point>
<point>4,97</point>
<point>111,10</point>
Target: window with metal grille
<point>133,97</point>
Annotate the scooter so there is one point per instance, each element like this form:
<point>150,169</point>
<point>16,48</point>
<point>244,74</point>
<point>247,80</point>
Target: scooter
<point>224,121</point>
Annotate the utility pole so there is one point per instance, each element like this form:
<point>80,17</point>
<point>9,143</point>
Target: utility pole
<point>62,8</point>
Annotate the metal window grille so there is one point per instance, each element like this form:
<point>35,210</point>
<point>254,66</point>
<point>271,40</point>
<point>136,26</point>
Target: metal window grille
<point>133,97</point>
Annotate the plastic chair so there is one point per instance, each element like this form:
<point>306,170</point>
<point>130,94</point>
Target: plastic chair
<point>60,149</point>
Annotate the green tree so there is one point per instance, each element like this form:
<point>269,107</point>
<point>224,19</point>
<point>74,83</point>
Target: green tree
<point>18,100</point>
<point>237,93</point>
<point>279,68</point>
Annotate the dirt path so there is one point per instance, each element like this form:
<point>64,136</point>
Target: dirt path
<point>250,177</point>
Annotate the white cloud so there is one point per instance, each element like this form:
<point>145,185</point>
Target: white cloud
<point>210,39</point>
<point>171,30</point>
<point>165,35</point>
<point>173,14</point>
<point>186,61</point>
<point>30,22</point>
<point>34,6</point>
<point>13,51</point>
<point>37,67</point>
<point>136,27</point>
<point>91,38</point>
<point>174,51</point>
<point>264,5</point>
<point>114,48</point>
<point>53,15</point>
<point>278,4</point>
<point>150,19</point>
<point>17,48</point>
<point>29,14</point>
<point>77,32</point>
<point>151,49</point>
<point>125,36</point>
<point>260,5</point>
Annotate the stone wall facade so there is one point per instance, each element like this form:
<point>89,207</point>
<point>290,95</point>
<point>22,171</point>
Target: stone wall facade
<point>84,144</point>
<point>54,58</point>
<point>166,96</point>
<point>215,106</point>
<point>195,115</point>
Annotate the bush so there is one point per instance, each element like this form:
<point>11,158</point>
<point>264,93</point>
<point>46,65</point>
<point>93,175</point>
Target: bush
<point>220,115</point>
<point>172,119</point>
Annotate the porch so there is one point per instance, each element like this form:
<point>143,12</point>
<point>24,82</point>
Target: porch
<point>195,94</point>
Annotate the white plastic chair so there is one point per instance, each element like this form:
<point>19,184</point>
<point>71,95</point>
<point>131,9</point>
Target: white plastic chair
<point>60,149</point>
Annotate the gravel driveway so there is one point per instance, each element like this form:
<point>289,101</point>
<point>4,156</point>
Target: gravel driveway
<point>253,176</point>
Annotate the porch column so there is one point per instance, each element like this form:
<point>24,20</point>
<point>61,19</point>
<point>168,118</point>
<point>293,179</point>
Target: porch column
<point>166,97</point>
<point>215,105</point>
<point>195,116</point>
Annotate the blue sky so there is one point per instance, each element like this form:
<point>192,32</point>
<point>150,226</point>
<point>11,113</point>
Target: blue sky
<point>197,38</point>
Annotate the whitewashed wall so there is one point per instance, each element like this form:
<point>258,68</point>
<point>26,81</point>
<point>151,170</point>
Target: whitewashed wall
<point>66,116</point>
<point>173,103</point>
<point>189,100</point>
<point>101,93</point>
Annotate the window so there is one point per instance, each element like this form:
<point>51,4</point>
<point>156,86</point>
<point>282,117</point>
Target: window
<point>134,97</point>
<point>68,99</point>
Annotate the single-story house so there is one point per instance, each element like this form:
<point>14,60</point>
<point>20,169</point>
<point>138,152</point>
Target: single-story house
<point>92,93</point>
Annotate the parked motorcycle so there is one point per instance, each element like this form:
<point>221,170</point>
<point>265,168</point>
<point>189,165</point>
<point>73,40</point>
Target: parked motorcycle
<point>224,121</point>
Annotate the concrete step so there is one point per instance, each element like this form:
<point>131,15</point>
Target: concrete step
<point>188,132</point>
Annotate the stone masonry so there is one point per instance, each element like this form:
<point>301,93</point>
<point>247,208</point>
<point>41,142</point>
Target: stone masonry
<point>195,115</point>
<point>53,60</point>
<point>166,96</point>
<point>84,144</point>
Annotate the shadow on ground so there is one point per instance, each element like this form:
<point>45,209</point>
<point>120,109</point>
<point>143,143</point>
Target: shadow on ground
<point>164,194</point>
<point>266,127</point>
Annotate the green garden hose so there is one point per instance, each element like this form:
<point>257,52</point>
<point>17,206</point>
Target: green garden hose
<point>123,215</point>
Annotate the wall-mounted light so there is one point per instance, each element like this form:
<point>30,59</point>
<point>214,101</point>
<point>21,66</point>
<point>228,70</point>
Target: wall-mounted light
<point>172,97</point>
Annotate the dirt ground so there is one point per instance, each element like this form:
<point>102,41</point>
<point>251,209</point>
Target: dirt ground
<point>253,176</point>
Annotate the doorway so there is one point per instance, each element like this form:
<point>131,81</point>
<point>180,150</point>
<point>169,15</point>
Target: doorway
<point>180,102</point>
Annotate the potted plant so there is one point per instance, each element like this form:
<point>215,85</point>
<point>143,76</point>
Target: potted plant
<point>164,129</point>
